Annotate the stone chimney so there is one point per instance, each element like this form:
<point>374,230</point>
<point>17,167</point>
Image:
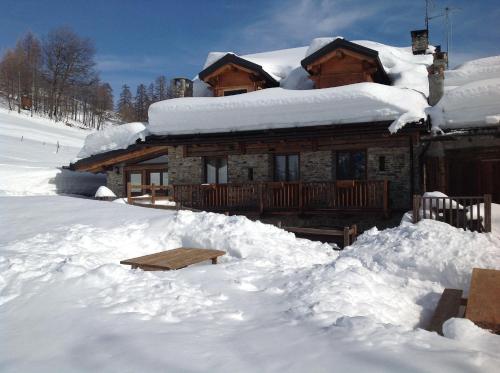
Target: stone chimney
<point>419,41</point>
<point>436,77</point>
<point>181,87</point>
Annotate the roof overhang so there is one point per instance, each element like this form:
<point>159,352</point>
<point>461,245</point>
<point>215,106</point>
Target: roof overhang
<point>103,161</point>
<point>229,59</point>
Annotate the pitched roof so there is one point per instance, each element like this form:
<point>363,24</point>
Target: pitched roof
<point>231,58</point>
<point>339,43</point>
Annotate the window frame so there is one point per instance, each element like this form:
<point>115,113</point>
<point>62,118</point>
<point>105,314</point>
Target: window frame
<point>287,173</point>
<point>217,167</point>
<point>351,164</point>
<point>234,90</point>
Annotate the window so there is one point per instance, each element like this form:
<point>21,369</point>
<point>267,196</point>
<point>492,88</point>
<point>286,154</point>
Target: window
<point>158,177</point>
<point>351,165</point>
<point>250,173</point>
<point>381,163</point>
<point>286,167</point>
<point>135,178</point>
<point>216,170</point>
<point>232,92</point>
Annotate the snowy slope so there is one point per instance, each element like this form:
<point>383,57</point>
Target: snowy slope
<point>30,162</point>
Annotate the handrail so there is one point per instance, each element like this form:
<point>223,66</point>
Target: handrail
<point>461,211</point>
<point>277,195</point>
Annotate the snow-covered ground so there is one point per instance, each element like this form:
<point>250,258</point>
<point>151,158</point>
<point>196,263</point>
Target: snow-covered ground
<point>274,302</point>
<point>30,160</point>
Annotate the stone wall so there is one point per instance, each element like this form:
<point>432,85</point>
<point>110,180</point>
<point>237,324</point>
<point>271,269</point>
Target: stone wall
<point>397,171</point>
<point>238,166</point>
<point>317,166</point>
<point>114,181</point>
<point>184,170</point>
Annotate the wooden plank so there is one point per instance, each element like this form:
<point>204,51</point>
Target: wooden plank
<point>316,231</point>
<point>483,306</point>
<point>448,307</point>
<point>173,259</point>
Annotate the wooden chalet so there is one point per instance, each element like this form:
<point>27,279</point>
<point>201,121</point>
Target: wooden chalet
<point>354,168</point>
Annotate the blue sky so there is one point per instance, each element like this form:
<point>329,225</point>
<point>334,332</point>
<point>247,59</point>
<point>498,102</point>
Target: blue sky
<point>139,40</point>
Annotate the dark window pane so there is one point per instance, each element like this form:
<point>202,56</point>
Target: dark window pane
<point>293,168</point>
<point>343,165</point>
<point>136,179</point>
<point>358,164</point>
<point>234,92</point>
<point>381,163</point>
<point>164,180</point>
<point>280,168</point>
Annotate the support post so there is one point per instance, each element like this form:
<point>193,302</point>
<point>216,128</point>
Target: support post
<point>129,193</point>
<point>261,198</point>
<point>386,198</point>
<point>346,236</point>
<point>416,208</point>
<point>487,212</point>
<point>153,194</point>
<point>301,199</point>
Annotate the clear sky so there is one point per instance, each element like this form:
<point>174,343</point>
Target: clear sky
<point>139,40</point>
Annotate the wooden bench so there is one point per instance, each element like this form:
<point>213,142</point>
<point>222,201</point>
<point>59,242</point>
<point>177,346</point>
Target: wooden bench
<point>347,234</point>
<point>173,259</point>
<point>482,307</point>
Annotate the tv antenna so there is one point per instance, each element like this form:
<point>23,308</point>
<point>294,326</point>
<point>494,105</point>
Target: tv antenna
<point>448,29</point>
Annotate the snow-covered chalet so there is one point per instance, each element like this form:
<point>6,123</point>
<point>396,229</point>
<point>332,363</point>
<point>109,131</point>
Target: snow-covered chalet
<point>334,127</point>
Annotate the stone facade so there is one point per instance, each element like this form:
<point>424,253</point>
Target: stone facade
<point>317,166</point>
<point>238,167</point>
<point>184,170</point>
<point>396,170</point>
<point>114,181</point>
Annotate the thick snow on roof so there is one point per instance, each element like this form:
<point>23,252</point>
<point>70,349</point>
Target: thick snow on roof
<point>281,108</point>
<point>405,69</point>
<point>296,103</point>
<point>472,96</point>
<point>113,138</point>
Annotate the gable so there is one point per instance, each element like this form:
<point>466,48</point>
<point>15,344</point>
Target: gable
<point>342,62</point>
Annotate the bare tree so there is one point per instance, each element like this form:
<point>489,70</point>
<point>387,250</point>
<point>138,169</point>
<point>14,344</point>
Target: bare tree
<point>69,60</point>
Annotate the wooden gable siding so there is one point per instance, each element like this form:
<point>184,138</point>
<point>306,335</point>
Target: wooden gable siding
<point>232,77</point>
<point>342,67</point>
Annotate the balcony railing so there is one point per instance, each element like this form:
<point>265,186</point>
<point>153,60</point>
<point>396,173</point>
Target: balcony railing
<point>346,195</point>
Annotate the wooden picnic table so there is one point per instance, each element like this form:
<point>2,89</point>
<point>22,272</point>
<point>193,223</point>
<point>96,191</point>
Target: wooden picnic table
<point>483,305</point>
<point>173,259</point>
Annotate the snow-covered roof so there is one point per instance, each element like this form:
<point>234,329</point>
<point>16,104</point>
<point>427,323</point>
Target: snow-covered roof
<point>295,103</point>
<point>113,138</point>
<point>472,96</point>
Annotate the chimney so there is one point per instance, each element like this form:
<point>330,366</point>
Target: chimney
<point>436,77</point>
<point>419,41</point>
<point>181,87</point>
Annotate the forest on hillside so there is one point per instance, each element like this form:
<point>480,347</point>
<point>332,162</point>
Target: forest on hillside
<point>55,76</point>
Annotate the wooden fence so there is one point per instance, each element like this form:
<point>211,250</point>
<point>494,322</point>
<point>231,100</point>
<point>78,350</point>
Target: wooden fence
<point>347,195</point>
<point>461,212</point>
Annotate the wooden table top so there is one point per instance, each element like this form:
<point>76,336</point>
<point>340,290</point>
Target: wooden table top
<point>173,259</point>
<point>483,305</point>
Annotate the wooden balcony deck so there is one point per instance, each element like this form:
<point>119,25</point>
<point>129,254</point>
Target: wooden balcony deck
<point>278,197</point>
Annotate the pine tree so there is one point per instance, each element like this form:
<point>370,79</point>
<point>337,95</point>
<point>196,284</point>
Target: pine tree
<point>126,105</point>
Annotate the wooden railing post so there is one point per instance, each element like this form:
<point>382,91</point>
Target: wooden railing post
<point>386,198</point>
<point>301,199</point>
<point>129,192</point>
<point>487,212</point>
<point>416,208</point>
<point>261,198</point>
<point>153,194</point>
<point>346,237</point>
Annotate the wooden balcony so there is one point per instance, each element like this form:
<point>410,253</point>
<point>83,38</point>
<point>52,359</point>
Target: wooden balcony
<point>279,197</point>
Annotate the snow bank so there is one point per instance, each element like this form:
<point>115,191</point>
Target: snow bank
<point>280,108</point>
<point>273,303</point>
<point>472,71</point>
<point>103,192</point>
<point>113,138</point>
